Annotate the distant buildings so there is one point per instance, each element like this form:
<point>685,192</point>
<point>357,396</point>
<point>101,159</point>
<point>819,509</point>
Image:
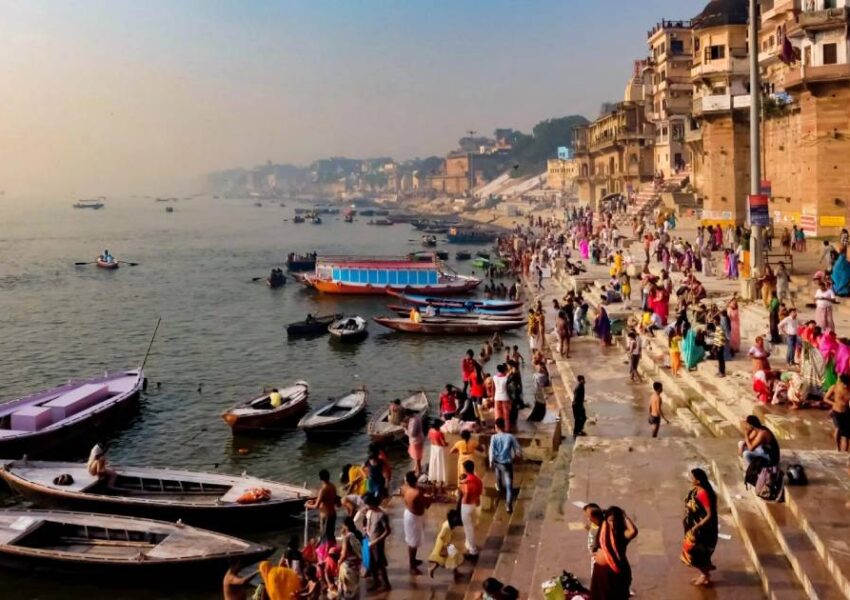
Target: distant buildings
<point>477,161</point>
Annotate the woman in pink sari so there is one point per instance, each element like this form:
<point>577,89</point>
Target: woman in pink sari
<point>734,325</point>
<point>584,248</point>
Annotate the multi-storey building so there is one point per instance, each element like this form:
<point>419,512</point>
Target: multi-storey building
<point>669,91</point>
<point>561,173</point>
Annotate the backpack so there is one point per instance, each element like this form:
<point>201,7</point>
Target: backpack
<point>754,469</point>
<point>797,475</point>
<point>770,484</point>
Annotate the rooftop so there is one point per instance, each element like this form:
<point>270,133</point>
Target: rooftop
<point>719,13</point>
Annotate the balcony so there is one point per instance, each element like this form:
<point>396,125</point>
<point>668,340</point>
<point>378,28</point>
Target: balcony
<point>771,56</point>
<point>732,66</point>
<point>779,7</point>
<point>805,76</point>
<point>719,104</point>
<point>811,21</point>
<point>693,134</point>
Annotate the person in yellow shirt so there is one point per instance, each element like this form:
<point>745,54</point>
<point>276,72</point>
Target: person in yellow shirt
<point>415,315</point>
<point>465,450</point>
<point>617,267</point>
<point>275,398</point>
<point>356,483</point>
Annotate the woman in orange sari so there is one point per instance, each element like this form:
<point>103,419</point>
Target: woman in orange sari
<point>612,574</point>
<point>700,526</point>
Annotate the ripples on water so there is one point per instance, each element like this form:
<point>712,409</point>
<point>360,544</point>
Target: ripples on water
<point>218,328</point>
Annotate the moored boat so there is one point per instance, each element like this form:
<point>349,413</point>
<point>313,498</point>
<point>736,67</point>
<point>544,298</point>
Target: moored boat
<point>215,499</point>
<point>469,303</point>
<point>39,423</point>
<point>376,275</point>
<point>485,263</point>
<point>441,326</point>
<point>312,325</point>
<point>463,255</point>
<point>93,204</point>
<point>442,254</point>
<point>139,550</point>
<point>349,329</point>
<point>461,311</point>
<point>380,429</point>
<point>429,241</point>
<point>298,219</point>
<point>301,263</point>
<point>259,414</point>
<point>470,235</point>
<point>383,222</point>
<point>337,415</point>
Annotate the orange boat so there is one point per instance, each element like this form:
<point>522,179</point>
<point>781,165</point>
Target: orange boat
<point>382,275</point>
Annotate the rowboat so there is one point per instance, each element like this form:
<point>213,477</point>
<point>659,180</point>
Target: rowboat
<point>107,264</point>
<point>439,326</point>
<point>312,325</point>
<point>298,263</point>
<point>462,311</point>
<point>429,240</point>
<point>212,499</point>
<point>94,204</point>
<point>381,430</point>
<point>298,219</point>
<point>128,548</point>
<point>276,282</point>
<point>349,329</point>
<point>483,263</point>
<point>463,255</point>
<point>336,415</point>
<point>258,413</point>
<point>470,235</point>
<point>46,420</point>
<point>459,302</point>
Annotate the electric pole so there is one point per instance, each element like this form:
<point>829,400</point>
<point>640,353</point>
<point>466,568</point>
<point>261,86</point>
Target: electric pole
<point>756,234</point>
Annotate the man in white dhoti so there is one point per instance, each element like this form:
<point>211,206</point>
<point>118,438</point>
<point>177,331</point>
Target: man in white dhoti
<point>415,504</point>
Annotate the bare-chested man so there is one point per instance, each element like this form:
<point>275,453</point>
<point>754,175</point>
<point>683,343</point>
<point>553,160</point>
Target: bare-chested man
<point>415,504</point>
<point>235,587</point>
<point>326,500</point>
<point>656,413</point>
<point>838,396</point>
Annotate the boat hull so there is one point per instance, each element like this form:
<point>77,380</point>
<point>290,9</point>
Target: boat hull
<point>452,311</point>
<point>422,300</point>
<point>107,265</point>
<point>332,287</point>
<point>318,327</point>
<point>448,327</point>
<point>278,420</point>
<point>301,266</point>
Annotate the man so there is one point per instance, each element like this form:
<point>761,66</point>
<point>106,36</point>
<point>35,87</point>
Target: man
<point>275,399</point>
<point>501,399</point>
<point>719,343</point>
<point>758,441</point>
<point>448,403</point>
<point>634,349</point>
<point>789,326</point>
<point>415,315</point>
<point>377,528</point>
<point>470,490</point>
<point>467,368</point>
<point>97,466</point>
<point>415,442</point>
<point>656,413</point>
<point>394,412</point>
<point>415,504</point>
<point>325,500</point>
<point>235,587</point>
<point>504,448</point>
<point>838,397</point>
<point>579,414</point>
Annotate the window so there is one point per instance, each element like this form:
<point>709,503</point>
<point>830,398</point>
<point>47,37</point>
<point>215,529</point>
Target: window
<point>373,276</point>
<point>392,277</point>
<point>402,277</point>
<point>830,54</point>
<point>715,53</point>
<point>382,277</point>
<point>696,43</point>
<point>345,275</point>
<point>335,274</point>
<point>677,47</point>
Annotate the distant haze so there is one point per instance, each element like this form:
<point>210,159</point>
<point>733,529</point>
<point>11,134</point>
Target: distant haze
<point>117,96</point>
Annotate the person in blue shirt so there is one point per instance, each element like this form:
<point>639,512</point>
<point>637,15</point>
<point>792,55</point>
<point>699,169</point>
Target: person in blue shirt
<point>504,448</point>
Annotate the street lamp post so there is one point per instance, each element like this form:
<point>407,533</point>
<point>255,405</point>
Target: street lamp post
<point>756,237</point>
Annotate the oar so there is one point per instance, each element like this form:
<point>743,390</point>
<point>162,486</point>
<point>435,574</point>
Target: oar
<point>132,264</point>
<point>257,278</point>
<point>80,264</point>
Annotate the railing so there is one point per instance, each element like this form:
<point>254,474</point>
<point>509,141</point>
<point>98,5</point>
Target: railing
<point>828,18</point>
<point>669,24</point>
<point>719,103</point>
<point>777,8</point>
<point>726,66</point>
<point>806,75</point>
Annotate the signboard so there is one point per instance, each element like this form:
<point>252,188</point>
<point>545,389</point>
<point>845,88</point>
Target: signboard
<point>564,153</point>
<point>809,224</point>
<point>759,210</point>
<point>765,189</point>
<point>832,221</point>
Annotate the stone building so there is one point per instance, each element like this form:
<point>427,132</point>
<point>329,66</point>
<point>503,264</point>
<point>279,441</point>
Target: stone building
<point>462,171</point>
<point>561,173</point>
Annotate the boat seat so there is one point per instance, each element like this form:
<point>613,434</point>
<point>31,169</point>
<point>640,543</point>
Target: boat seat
<point>32,418</point>
<point>83,481</point>
<point>77,400</point>
<point>347,402</point>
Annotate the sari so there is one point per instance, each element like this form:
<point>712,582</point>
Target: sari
<point>812,367</point>
<point>584,248</point>
<point>734,328</point>
<point>698,546</point>
<point>602,326</point>
<point>281,583</point>
<point>612,573</point>
<point>692,352</point>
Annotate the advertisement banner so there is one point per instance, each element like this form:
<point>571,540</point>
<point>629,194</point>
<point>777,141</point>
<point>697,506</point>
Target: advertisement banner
<point>832,221</point>
<point>759,210</point>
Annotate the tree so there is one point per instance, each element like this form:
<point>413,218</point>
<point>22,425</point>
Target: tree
<point>532,151</point>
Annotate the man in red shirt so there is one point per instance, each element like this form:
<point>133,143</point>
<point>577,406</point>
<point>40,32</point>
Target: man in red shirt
<point>448,403</point>
<point>471,488</point>
<point>467,368</point>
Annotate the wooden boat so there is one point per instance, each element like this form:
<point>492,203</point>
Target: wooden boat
<point>44,421</point>
<point>439,326</point>
<point>429,241</point>
<point>382,275</point>
<point>483,254</point>
<point>469,303</point>
<point>315,326</point>
<point>128,548</point>
<point>169,209</point>
<point>300,263</point>
<point>349,329</point>
<point>484,263</point>
<point>349,218</point>
<point>258,413</point>
<point>336,415</point>
<point>317,220</point>
<point>382,222</point>
<point>298,219</point>
<point>381,430</point>
<point>107,264</point>
<point>168,494</point>
<point>463,255</point>
<point>470,235</point>
<point>442,254</point>
<point>453,311</point>
<point>93,204</point>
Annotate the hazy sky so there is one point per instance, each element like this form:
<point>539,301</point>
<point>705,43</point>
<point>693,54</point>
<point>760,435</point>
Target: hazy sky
<point>115,96</point>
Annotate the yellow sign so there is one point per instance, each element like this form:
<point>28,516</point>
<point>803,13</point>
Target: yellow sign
<point>832,221</point>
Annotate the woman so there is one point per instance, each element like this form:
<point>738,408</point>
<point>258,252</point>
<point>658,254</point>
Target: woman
<point>350,559</point>
<point>692,352</point>
<point>438,456</point>
<point>602,325</point>
<point>773,318</point>
<point>700,526</point>
<point>783,282</point>
<point>534,327</point>
<point>734,325</point>
<point>445,554</point>
<point>768,285</point>
<point>824,299</point>
<point>675,341</point>
<point>759,355</point>
<point>612,574</point>
<point>562,330</point>
<point>465,449</point>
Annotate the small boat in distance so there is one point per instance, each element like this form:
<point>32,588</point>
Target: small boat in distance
<point>97,546</point>
<point>349,329</point>
<point>383,222</point>
<point>169,209</point>
<point>470,235</point>
<point>381,430</point>
<point>463,255</point>
<point>429,241</point>
<point>106,264</point>
<point>93,204</point>
<point>298,219</point>
<point>312,325</point>
<point>259,414</point>
<point>44,421</point>
<point>336,416</point>
<point>449,326</point>
<point>213,499</point>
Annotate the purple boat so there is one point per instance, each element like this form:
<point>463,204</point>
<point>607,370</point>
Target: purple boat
<point>74,412</point>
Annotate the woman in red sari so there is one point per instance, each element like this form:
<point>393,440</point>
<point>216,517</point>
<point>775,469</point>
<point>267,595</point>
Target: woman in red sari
<point>700,526</point>
<point>612,574</point>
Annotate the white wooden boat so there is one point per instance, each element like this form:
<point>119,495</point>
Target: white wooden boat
<point>349,329</point>
<point>83,544</point>
<point>258,414</point>
<point>195,497</point>
<point>336,415</point>
<point>381,430</point>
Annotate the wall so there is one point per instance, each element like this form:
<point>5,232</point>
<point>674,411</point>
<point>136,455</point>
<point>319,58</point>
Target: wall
<point>726,168</point>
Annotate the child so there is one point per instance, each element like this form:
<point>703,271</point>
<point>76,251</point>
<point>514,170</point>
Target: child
<point>445,554</point>
<point>675,352</point>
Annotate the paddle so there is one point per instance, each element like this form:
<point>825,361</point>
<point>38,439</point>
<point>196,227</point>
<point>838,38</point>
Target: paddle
<point>80,264</point>
<point>132,264</point>
<point>257,278</point>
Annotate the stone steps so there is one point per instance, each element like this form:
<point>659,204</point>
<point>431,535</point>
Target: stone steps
<point>778,578</point>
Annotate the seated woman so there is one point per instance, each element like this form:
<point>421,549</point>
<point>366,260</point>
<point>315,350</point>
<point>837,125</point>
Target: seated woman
<point>758,441</point>
<point>97,466</point>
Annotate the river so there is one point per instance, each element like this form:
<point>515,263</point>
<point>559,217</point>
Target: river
<point>222,336</point>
